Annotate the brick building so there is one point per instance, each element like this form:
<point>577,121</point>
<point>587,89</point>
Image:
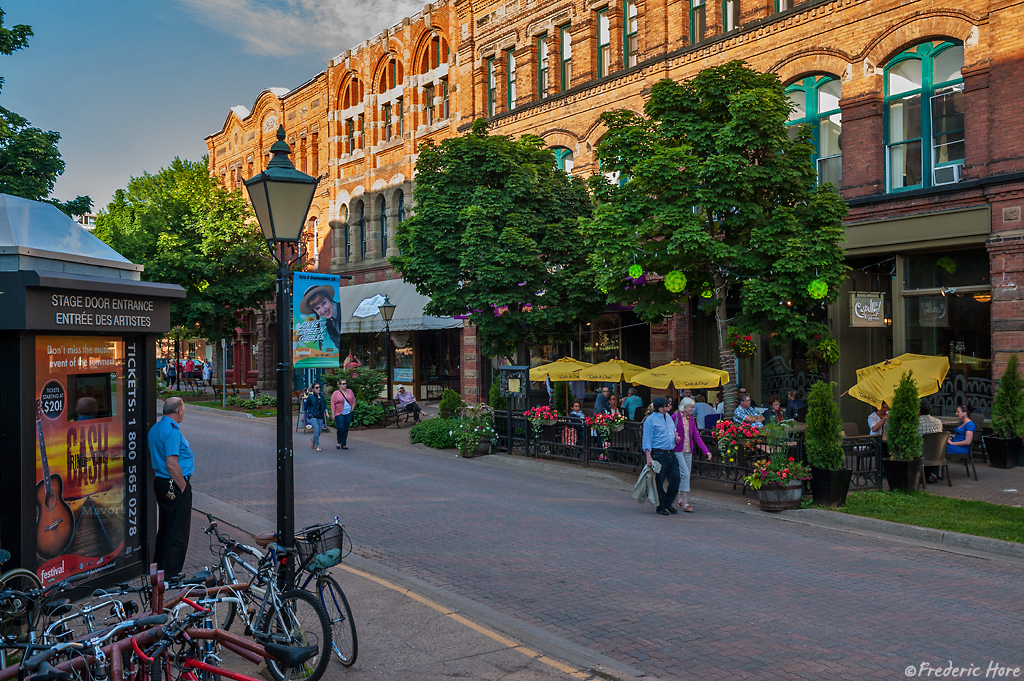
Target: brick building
<point>920,95</point>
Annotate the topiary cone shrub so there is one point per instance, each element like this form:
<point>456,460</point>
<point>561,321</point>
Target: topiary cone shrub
<point>1008,406</point>
<point>560,397</point>
<point>905,443</point>
<point>824,434</point>
<point>494,398</point>
<point>451,404</point>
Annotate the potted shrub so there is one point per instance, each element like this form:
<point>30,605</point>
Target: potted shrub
<point>1003,445</point>
<point>904,467</point>
<point>823,440</point>
<point>778,478</point>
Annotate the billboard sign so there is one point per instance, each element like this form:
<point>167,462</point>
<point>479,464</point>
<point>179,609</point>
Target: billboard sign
<point>316,320</point>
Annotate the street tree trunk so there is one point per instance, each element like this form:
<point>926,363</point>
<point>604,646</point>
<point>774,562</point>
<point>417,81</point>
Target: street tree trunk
<point>726,356</point>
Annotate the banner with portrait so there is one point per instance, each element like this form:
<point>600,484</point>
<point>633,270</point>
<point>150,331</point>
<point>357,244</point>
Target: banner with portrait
<point>316,320</point>
<point>81,509</point>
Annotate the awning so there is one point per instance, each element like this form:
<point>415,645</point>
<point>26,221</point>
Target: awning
<point>358,299</point>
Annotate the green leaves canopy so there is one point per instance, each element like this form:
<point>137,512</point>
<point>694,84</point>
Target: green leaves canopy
<point>496,226</point>
<point>718,190</point>
<point>187,229</point>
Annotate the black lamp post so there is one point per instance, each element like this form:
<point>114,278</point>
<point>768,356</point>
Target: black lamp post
<point>281,196</point>
<point>387,311</point>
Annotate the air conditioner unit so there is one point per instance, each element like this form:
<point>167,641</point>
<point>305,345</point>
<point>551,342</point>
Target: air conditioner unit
<point>946,175</point>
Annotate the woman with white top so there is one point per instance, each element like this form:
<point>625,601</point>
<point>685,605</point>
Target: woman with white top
<point>689,439</point>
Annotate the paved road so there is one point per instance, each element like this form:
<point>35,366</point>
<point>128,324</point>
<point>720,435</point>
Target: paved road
<point>709,595</point>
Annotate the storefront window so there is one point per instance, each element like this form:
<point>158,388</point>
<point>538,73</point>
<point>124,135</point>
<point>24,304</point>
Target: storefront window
<point>380,362</point>
<point>949,269</point>
<point>254,365</point>
<point>600,339</point>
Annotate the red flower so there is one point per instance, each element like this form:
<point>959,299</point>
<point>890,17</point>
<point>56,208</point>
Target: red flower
<point>792,459</point>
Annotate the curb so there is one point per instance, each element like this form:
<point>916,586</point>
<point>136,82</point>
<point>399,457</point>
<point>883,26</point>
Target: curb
<point>535,637</point>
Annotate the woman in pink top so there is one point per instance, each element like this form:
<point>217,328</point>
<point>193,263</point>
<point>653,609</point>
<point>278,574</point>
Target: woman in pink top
<point>689,439</point>
<point>343,402</point>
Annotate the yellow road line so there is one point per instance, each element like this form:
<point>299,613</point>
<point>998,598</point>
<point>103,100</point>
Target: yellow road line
<point>493,635</point>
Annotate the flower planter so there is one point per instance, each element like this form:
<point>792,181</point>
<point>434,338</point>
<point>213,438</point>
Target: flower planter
<point>904,475</point>
<point>1003,452</point>
<point>829,488</point>
<point>618,428</point>
<point>774,498</point>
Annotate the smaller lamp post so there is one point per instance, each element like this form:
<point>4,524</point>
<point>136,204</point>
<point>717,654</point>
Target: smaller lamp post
<point>281,196</point>
<point>387,311</point>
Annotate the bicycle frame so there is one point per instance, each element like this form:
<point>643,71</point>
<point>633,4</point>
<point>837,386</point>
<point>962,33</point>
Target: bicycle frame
<point>192,663</point>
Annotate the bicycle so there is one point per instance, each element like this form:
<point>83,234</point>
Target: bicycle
<point>320,548</point>
<point>12,610</point>
<point>293,617</point>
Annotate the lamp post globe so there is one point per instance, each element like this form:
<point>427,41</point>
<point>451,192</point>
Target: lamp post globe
<point>281,196</point>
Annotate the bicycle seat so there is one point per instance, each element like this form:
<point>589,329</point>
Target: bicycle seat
<point>47,672</point>
<point>56,607</point>
<point>4,556</point>
<point>291,656</point>
<point>265,539</point>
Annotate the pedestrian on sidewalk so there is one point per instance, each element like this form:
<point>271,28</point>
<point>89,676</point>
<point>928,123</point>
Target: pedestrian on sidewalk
<point>316,415</point>
<point>659,441</point>
<point>173,466</point>
<point>343,401</point>
<point>689,440</point>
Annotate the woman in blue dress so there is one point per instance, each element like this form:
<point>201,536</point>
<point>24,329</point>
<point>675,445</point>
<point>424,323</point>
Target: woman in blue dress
<point>960,441</point>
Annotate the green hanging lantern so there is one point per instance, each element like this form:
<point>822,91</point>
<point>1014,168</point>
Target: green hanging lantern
<point>636,271</point>
<point>818,289</point>
<point>706,292</point>
<point>675,281</point>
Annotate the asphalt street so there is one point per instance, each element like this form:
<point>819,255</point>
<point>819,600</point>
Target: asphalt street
<point>714,594</point>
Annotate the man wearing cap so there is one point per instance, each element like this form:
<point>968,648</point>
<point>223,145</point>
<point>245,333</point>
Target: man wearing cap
<point>406,401</point>
<point>319,300</point>
<point>659,441</point>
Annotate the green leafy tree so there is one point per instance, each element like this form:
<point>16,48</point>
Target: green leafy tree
<point>187,229</point>
<point>495,236</point>
<point>712,188</point>
<point>29,160</point>
<point>823,438</point>
<point>1008,406</point>
<point>905,443</point>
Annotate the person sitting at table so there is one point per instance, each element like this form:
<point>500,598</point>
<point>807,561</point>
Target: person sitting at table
<point>577,410</point>
<point>794,403</point>
<point>406,401</point>
<point>926,425</point>
<point>701,409</point>
<point>774,413</point>
<point>746,414</point>
<point>960,441</point>
<point>742,392</point>
<point>878,421</point>
<point>632,403</point>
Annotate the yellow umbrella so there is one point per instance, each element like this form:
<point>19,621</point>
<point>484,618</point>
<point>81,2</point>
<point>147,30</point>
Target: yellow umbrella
<point>682,375</point>
<point>877,383</point>
<point>612,370</point>
<point>564,369</point>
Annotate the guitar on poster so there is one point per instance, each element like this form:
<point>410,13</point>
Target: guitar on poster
<point>55,522</point>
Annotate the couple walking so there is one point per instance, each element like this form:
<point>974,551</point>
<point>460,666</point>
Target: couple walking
<point>343,401</point>
<point>671,440</point>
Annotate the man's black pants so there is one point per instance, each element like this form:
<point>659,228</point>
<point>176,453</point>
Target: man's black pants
<point>173,525</point>
<point>669,471</point>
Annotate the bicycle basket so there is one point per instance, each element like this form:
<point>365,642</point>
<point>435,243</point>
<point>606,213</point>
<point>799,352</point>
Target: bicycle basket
<point>319,539</point>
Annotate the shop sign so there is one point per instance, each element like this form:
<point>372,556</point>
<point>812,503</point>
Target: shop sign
<point>933,312</point>
<point>867,309</point>
<point>403,374</point>
<point>316,320</point>
<point>87,455</point>
<point>64,310</point>
<point>660,328</point>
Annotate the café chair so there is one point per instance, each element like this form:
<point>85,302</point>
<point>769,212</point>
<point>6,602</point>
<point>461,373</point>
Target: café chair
<point>934,454</point>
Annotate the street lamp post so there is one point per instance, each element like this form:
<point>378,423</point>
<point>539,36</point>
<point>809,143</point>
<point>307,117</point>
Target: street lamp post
<point>387,311</point>
<point>281,196</point>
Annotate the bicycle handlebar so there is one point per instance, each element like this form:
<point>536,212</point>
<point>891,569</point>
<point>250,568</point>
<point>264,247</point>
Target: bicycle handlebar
<point>48,673</point>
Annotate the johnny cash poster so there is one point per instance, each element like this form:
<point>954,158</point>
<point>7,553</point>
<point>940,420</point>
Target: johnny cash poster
<point>316,320</point>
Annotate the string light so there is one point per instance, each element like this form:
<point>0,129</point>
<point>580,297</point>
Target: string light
<point>675,281</point>
<point>818,289</point>
<point>636,271</point>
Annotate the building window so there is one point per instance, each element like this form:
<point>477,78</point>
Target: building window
<point>604,44</point>
<point>362,131</point>
<point>815,103</point>
<point>314,147</point>
<point>386,117</point>
<point>730,15</point>
<point>399,116</point>
<point>383,226</point>
<point>783,5</point>
<point>444,98</point>
<point>401,206</point>
<point>348,244</point>
<point>542,66</point>
<point>564,57</point>
<point>924,111</point>
<point>428,96</point>
<point>510,79</point>
<point>630,46</point>
<point>492,87</point>
<point>362,232</point>
<point>350,136</point>
<point>698,21</point>
<point>563,159</point>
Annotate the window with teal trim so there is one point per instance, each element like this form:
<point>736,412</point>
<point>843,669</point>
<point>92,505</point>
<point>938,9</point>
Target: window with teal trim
<point>604,44</point>
<point>542,66</point>
<point>563,159</point>
<point>383,226</point>
<point>564,57</point>
<point>698,21</point>
<point>730,15</point>
<point>510,79</point>
<point>492,87</point>
<point>924,116</point>
<point>630,26</point>
<point>815,103</point>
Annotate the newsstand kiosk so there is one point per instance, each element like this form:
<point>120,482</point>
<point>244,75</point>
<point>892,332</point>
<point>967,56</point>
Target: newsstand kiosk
<point>78,332</point>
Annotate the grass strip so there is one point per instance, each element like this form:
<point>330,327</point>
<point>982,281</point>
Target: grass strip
<point>979,518</point>
<point>260,412</point>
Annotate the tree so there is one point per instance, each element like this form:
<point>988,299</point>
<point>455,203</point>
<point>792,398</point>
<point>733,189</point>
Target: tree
<point>717,200</point>
<point>187,229</point>
<point>905,443</point>
<point>29,160</point>
<point>495,236</point>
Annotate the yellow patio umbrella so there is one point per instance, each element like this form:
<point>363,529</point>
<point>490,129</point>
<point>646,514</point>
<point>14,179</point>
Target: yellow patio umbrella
<point>877,383</point>
<point>564,369</point>
<point>682,375</point>
<point>612,370</point>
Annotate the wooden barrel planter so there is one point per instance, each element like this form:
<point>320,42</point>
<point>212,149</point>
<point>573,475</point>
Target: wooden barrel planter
<point>774,498</point>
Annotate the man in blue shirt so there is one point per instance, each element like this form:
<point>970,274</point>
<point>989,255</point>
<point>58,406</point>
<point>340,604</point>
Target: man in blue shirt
<point>659,442</point>
<point>173,465</point>
<point>632,403</point>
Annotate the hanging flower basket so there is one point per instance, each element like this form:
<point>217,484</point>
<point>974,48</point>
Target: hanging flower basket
<point>742,344</point>
<point>540,417</point>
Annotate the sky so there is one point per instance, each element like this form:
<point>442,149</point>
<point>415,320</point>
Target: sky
<point>130,84</point>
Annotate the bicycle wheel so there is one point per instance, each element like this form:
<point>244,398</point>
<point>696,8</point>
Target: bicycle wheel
<point>343,627</point>
<point>225,611</point>
<point>14,619</point>
<point>301,621</point>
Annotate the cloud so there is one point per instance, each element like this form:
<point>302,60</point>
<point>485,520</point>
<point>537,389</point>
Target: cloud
<point>280,28</point>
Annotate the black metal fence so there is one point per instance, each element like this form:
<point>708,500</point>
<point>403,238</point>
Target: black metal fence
<point>570,440</point>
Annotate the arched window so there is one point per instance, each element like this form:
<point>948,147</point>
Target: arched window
<point>383,226</point>
<point>563,159</point>
<point>401,206</point>
<point>362,232</point>
<point>435,54</point>
<point>924,116</point>
<point>815,103</point>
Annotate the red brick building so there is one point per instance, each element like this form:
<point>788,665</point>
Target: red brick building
<point>911,103</point>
